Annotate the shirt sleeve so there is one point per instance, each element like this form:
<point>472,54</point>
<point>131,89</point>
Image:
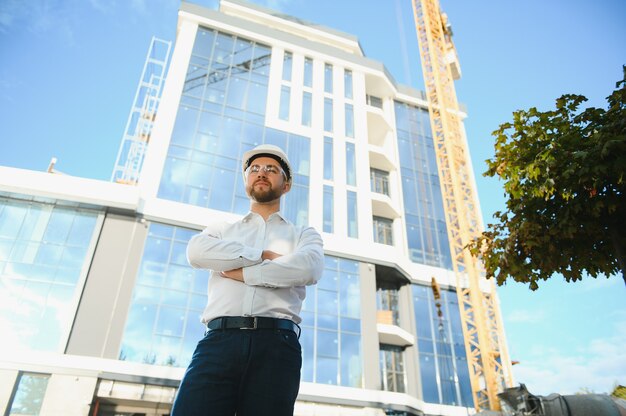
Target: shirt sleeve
<point>208,250</point>
<point>304,266</point>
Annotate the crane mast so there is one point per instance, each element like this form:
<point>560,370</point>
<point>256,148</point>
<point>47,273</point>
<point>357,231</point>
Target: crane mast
<point>485,344</point>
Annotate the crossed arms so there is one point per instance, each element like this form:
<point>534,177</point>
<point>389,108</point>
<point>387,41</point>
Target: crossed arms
<point>256,267</point>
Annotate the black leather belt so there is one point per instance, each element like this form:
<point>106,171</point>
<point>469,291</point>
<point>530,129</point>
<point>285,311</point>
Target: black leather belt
<point>253,322</point>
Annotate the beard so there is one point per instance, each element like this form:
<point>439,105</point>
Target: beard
<point>263,196</point>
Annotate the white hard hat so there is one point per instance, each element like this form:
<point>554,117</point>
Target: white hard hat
<point>268,150</point>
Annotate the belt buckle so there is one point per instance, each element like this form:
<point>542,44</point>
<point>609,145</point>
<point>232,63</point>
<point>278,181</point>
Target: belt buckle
<point>255,321</point>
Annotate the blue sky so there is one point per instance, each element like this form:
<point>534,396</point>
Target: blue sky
<point>69,70</point>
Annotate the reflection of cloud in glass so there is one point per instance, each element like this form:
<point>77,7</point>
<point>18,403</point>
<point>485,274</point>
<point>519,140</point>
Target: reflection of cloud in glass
<point>167,301</point>
<point>45,246</point>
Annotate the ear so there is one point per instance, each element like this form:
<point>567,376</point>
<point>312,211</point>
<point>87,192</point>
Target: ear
<point>286,187</point>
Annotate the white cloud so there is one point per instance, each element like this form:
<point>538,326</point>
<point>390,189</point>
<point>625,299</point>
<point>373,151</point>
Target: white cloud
<point>596,366</point>
<point>525,316</point>
<point>140,6</point>
<point>38,16</point>
<point>103,6</point>
<point>10,10</point>
<point>600,283</point>
<point>8,85</point>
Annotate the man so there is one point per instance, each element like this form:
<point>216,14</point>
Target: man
<point>249,361</point>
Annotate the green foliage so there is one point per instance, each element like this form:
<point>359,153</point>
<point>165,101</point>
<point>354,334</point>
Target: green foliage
<point>619,391</point>
<point>564,175</point>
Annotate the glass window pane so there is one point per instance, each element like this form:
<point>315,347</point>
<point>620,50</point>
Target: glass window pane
<point>327,301</point>
<point>350,295</point>
<point>204,42</point>
<point>242,57</point>
<point>328,158</point>
<point>328,114</point>
<point>327,370</point>
<point>308,361</point>
<point>422,193</point>
<point>338,356</point>
<point>184,126</point>
<point>328,78</point>
<point>429,379</point>
<point>308,72</point>
<point>327,344</point>
<point>287,63</point>
<point>347,79</point>
<point>257,97</point>
<point>28,398</point>
<point>351,362</point>
<point>42,259</point>
<point>349,120</point>
<point>328,209</point>
<point>237,89</point>
<point>231,74</point>
<point>283,113</point>
<point>350,164</point>
<point>328,321</point>
<point>11,217</point>
<point>306,108</point>
<point>59,226</point>
<point>163,325</point>
<point>352,215</point>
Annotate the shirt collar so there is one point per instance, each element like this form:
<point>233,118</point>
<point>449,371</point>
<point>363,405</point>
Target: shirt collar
<point>251,214</point>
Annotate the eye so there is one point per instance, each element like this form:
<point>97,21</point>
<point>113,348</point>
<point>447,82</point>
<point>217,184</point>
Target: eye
<point>255,168</point>
<point>271,169</point>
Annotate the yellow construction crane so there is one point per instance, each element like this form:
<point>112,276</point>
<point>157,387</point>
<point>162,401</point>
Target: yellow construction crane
<point>485,344</point>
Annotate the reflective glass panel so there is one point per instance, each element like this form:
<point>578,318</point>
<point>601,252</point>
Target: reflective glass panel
<point>328,209</point>
<point>349,120</point>
<point>347,80</point>
<point>220,116</point>
<point>44,250</point>
<point>29,394</point>
<point>441,348</point>
<point>287,63</point>
<point>163,323</point>
<point>328,78</point>
<point>352,215</point>
<point>331,326</point>
<point>392,368</point>
<point>296,202</point>
<point>306,108</point>
<point>328,158</point>
<point>383,230</point>
<point>308,72</point>
<point>328,114</point>
<point>283,112</point>
<point>422,198</point>
<point>350,164</point>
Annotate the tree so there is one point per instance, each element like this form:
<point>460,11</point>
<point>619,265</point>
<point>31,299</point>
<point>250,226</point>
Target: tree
<point>564,174</point>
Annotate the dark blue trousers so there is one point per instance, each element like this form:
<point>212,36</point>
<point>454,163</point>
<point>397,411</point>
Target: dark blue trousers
<point>241,372</point>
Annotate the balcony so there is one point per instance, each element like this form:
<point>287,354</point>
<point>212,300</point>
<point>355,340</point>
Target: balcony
<point>377,126</point>
<point>380,157</point>
<point>391,334</point>
<point>383,206</point>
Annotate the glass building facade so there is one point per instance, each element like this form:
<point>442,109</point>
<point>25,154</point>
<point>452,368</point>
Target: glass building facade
<point>221,116</point>
<point>441,349</point>
<point>44,249</point>
<point>423,205</point>
<point>365,176</point>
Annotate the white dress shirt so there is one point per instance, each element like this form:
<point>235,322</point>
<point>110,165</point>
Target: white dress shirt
<point>273,288</point>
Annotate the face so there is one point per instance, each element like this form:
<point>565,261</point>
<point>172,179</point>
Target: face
<point>263,186</point>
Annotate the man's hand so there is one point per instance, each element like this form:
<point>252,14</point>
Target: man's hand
<point>270,255</point>
<point>235,274</point>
